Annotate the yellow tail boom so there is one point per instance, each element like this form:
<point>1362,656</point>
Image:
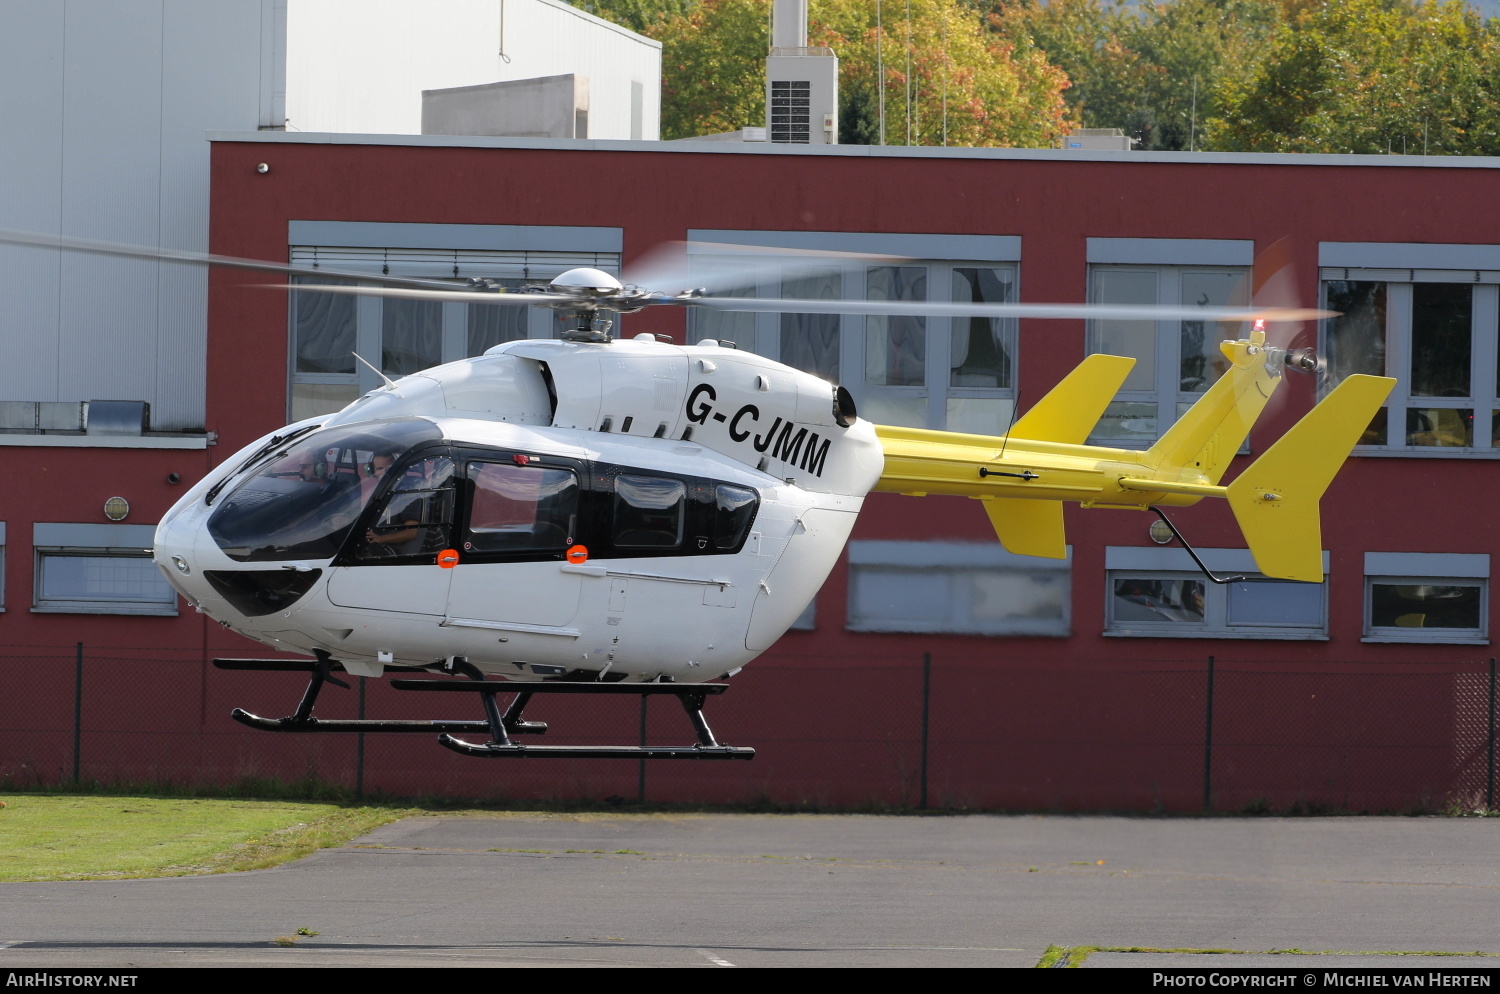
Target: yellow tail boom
<point>1024,477</point>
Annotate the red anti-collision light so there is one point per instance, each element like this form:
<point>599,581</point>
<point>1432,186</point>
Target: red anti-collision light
<point>578,555</point>
<point>448,558</point>
<point>519,459</point>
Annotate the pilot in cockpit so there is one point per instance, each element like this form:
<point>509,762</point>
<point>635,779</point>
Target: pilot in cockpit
<point>401,521</point>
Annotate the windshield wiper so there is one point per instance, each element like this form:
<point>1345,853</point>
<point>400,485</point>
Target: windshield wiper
<point>275,442</point>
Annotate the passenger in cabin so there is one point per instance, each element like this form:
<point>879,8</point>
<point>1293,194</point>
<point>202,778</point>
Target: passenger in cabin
<point>379,464</point>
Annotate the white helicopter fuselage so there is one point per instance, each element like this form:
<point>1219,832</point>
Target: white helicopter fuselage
<point>631,510</point>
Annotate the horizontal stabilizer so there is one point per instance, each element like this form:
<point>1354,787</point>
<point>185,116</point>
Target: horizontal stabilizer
<point>1071,409</point>
<point>1028,527</point>
<point>1275,500</point>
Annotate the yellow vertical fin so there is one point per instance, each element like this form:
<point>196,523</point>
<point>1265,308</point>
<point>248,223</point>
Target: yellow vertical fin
<point>1275,500</point>
<point>1028,527</point>
<point>1071,409</point>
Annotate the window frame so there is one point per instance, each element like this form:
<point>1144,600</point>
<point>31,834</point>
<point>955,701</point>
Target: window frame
<point>1418,568</point>
<point>1483,400</point>
<point>1160,563</point>
<point>960,561</point>
<point>1169,260</point>
<point>930,403</point>
<point>512,254</point>
<point>76,541</point>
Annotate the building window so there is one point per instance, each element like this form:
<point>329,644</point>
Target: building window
<point>1176,361</point>
<point>1434,330</point>
<point>1427,597</point>
<point>99,569</point>
<point>962,588</point>
<point>405,336</point>
<point>1161,593</point>
<point>918,371</point>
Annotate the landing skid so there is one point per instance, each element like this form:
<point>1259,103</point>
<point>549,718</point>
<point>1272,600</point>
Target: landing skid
<point>500,725</point>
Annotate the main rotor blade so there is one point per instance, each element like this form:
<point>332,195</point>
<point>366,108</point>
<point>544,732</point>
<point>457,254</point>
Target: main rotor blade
<point>511,299</point>
<point>724,268</point>
<point>940,308</point>
<point>71,244</point>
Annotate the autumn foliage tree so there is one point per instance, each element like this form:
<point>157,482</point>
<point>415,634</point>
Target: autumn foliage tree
<point>942,76</point>
<point>1371,76</point>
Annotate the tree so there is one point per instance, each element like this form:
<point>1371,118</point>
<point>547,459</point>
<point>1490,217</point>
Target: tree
<point>950,80</point>
<point>1154,70</point>
<point>943,78</point>
<point>1370,76</point>
<point>638,15</point>
<point>713,66</point>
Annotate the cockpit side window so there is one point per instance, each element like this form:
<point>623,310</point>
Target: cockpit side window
<point>415,517</point>
<point>519,509</point>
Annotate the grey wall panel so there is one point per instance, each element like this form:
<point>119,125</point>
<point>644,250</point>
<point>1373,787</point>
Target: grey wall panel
<point>111,164</point>
<point>211,70</point>
<point>31,77</point>
<point>104,127</point>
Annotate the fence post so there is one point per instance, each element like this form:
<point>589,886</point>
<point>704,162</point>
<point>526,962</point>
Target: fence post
<point>1489,780</point>
<point>640,787</point>
<point>926,710</point>
<point>1208,743</point>
<point>359,754</point>
<point>77,712</point>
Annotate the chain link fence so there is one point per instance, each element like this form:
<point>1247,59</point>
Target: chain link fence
<point>892,732</point>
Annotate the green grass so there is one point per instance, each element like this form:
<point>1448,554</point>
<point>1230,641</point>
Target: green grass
<point>94,837</point>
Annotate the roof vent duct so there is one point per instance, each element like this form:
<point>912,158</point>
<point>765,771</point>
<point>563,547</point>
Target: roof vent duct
<point>116,417</point>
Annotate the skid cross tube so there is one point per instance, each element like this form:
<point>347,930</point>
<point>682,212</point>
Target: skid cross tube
<point>321,668</point>
<point>501,727</point>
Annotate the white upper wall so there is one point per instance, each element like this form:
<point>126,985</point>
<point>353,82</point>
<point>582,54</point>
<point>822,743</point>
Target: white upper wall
<point>104,119</point>
<point>360,66</point>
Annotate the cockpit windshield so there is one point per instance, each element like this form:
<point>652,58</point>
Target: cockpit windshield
<point>303,501</point>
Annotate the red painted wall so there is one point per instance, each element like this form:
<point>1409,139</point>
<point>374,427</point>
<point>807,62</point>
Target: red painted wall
<point>1082,722</point>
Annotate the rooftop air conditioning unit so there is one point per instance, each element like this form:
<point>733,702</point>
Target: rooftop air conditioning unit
<point>802,83</point>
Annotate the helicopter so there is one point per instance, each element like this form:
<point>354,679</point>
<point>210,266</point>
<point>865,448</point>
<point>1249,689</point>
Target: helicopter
<point>597,515</point>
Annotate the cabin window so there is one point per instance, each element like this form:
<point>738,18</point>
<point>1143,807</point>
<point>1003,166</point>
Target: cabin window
<point>416,514</point>
<point>520,509</point>
<point>1160,593</point>
<point>1426,597</point>
<point>648,512</point>
<point>734,509</point>
<point>958,587</point>
<point>1434,331</point>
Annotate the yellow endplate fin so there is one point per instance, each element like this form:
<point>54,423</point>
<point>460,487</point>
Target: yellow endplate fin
<point>1028,527</point>
<point>1275,500</point>
<point>1071,409</point>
